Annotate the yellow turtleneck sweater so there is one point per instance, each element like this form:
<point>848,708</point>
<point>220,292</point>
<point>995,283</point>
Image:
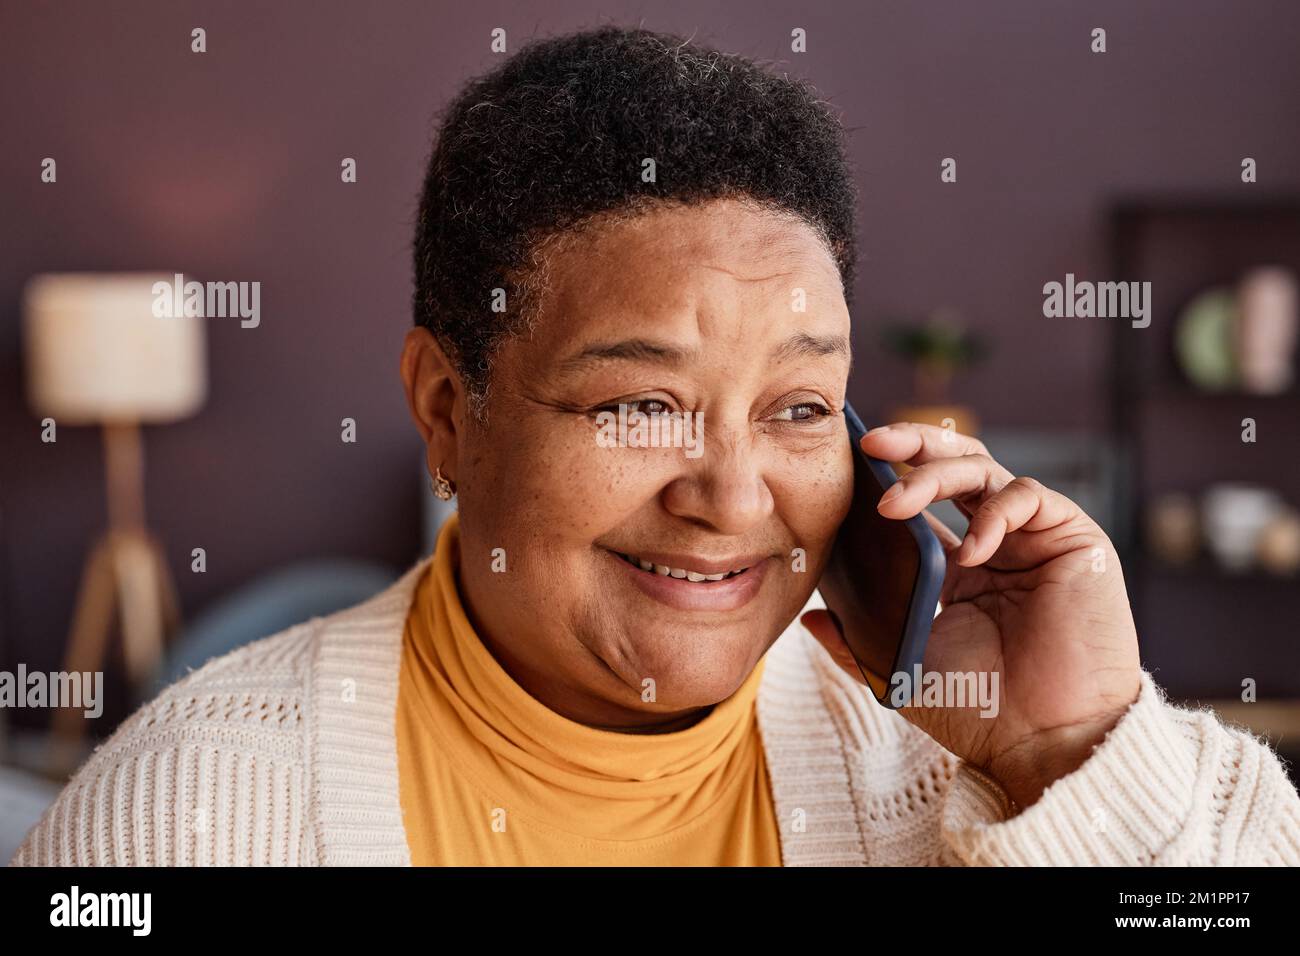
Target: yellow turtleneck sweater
<point>488,775</point>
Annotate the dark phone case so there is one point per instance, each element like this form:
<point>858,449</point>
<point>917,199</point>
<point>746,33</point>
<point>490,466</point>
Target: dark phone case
<point>840,573</point>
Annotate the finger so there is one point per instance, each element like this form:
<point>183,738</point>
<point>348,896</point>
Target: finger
<point>947,537</point>
<point>967,481</point>
<point>916,443</point>
<point>1023,504</point>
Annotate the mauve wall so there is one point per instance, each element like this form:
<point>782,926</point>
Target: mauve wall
<point>226,165</point>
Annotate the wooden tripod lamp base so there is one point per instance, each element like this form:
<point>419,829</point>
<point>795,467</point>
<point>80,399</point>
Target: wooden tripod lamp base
<point>125,579</point>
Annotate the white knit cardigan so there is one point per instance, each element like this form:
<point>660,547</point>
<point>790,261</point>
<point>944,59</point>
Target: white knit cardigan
<point>284,752</point>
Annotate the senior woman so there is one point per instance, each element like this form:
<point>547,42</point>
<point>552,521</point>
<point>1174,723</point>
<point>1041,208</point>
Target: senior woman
<point>601,663</point>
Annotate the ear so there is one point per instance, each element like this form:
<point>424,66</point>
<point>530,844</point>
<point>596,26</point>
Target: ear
<point>435,396</point>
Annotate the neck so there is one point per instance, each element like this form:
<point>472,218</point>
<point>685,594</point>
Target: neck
<point>581,705</point>
<point>667,726</point>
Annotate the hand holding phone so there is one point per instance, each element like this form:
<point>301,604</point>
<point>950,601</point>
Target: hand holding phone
<point>883,580</point>
<point>1036,649</point>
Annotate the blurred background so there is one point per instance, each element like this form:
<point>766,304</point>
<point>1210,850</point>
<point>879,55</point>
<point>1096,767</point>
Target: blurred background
<point>219,491</point>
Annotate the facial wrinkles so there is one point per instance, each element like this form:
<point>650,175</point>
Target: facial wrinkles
<point>595,626</point>
<point>697,300</point>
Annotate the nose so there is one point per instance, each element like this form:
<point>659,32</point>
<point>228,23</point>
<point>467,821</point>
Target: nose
<point>725,489</point>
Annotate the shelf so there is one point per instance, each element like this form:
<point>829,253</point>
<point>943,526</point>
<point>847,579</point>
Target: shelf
<point>1174,393</point>
<point>1205,571</point>
<point>1202,629</point>
<point>1277,720</point>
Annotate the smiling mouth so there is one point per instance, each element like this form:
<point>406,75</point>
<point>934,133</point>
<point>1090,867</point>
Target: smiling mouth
<point>686,574</point>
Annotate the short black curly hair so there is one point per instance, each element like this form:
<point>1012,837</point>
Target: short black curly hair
<point>555,137</point>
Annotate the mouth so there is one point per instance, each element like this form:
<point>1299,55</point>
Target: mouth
<point>687,574</point>
<point>693,584</point>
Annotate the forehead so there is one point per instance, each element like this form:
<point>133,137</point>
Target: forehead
<point>722,259</point>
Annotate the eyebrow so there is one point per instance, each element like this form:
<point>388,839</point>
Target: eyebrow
<point>803,345</point>
<point>627,350</point>
<point>799,345</point>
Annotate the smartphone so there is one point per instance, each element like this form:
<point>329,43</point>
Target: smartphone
<point>883,581</point>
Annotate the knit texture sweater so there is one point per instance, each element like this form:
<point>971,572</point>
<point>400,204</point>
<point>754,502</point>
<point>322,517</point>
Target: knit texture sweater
<point>283,752</point>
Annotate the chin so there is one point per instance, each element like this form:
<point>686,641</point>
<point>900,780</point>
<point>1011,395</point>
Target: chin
<point>692,667</point>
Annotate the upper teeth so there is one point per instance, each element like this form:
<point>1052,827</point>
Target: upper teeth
<point>666,571</point>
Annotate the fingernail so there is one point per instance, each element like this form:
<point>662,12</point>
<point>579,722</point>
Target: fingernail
<point>878,428</point>
<point>893,492</point>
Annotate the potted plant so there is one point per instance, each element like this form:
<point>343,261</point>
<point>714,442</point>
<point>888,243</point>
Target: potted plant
<point>937,349</point>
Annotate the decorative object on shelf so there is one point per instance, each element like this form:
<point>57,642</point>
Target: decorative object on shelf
<point>98,355</point>
<point>1234,516</point>
<point>1266,330</point>
<point>1278,549</point>
<point>1173,529</point>
<point>936,349</point>
<point>1242,338</point>
<point>1204,340</point>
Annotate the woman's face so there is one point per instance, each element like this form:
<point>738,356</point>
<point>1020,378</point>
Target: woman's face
<point>720,310</point>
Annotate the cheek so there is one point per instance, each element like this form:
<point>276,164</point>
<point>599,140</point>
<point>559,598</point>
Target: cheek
<point>557,487</point>
<point>813,491</point>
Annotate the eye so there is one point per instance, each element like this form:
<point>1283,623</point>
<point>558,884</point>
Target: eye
<point>802,412</point>
<point>646,406</point>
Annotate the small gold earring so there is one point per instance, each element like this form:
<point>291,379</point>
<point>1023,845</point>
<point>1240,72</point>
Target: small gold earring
<point>444,489</point>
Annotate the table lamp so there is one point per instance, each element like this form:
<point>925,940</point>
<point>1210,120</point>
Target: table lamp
<point>97,354</point>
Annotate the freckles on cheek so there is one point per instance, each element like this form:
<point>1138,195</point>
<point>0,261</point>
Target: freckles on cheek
<point>817,489</point>
<point>603,485</point>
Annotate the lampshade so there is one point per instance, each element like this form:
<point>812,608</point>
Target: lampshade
<point>96,351</point>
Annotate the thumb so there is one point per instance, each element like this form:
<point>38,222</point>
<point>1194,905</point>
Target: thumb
<point>825,625</point>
